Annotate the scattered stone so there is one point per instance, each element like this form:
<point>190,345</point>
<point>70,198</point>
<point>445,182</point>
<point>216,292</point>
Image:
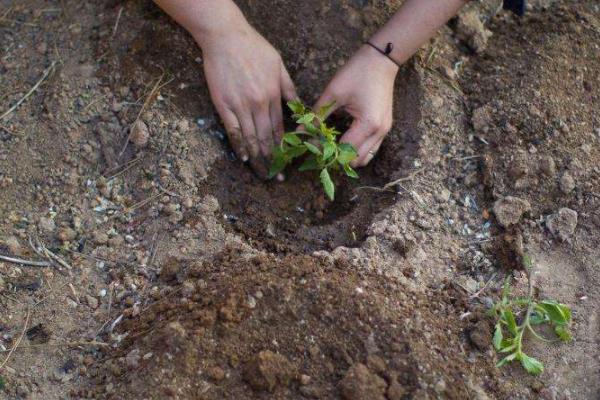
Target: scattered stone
<point>396,391</point>
<point>132,359</point>
<point>139,134</point>
<point>563,223</point>
<point>47,225</point>
<point>67,235</point>
<point>312,391</point>
<point>509,210</point>
<point>91,301</point>
<point>443,196</point>
<point>209,204</point>
<point>116,241</point>
<point>547,166</point>
<point>169,270</point>
<point>359,383</point>
<point>567,183</point>
<point>482,118</point>
<point>216,373</point>
<point>100,238</point>
<point>305,380</point>
<point>470,29</point>
<point>440,386</point>
<point>14,247</point>
<point>268,370</point>
<point>480,335</point>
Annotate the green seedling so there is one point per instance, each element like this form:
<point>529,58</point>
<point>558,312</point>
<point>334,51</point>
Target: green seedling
<point>319,142</point>
<point>2,383</point>
<point>518,315</point>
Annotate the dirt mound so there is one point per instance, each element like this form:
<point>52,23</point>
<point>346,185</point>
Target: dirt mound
<point>300,327</point>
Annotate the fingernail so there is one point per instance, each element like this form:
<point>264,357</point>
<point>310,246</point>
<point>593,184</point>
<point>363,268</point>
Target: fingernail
<point>245,158</point>
<point>280,178</point>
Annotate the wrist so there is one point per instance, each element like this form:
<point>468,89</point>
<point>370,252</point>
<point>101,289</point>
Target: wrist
<point>229,27</point>
<point>381,61</point>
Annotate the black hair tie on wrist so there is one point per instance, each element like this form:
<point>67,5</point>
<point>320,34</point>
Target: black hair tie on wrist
<point>386,52</point>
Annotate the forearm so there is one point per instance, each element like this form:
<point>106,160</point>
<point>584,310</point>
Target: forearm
<point>413,25</point>
<point>205,20</point>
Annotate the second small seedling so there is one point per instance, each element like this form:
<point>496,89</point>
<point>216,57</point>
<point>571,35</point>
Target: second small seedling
<point>318,139</point>
<point>508,334</point>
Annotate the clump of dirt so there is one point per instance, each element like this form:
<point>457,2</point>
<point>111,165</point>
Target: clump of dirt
<point>247,327</point>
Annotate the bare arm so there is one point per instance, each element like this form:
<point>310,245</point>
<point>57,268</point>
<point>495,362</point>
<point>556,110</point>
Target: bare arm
<point>245,74</point>
<point>414,24</point>
<point>364,87</point>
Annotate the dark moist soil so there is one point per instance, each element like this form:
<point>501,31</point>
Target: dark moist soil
<point>284,217</point>
<point>289,329</point>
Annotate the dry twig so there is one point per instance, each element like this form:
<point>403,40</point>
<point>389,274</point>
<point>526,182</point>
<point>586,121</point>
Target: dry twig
<point>46,73</point>
<point>11,351</point>
<point>114,32</point>
<point>389,187</point>
<point>29,263</point>
<point>65,344</point>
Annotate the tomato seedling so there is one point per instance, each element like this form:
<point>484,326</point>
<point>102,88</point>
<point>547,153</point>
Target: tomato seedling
<point>509,334</point>
<point>319,141</point>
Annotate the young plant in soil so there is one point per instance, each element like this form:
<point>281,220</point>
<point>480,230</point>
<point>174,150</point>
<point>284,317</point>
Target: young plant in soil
<point>320,142</point>
<point>517,316</point>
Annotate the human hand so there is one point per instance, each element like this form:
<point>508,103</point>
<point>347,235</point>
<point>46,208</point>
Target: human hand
<point>247,79</point>
<point>364,88</point>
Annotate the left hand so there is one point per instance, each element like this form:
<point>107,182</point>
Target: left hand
<point>364,88</point>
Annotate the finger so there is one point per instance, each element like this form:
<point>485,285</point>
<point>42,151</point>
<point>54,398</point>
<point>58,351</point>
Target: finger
<point>288,89</point>
<point>358,133</point>
<point>264,130</point>
<point>249,133</point>
<point>234,132</point>
<point>276,120</point>
<point>368,151</point>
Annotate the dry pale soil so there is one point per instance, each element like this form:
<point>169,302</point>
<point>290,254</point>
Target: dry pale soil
<point>174,273</point>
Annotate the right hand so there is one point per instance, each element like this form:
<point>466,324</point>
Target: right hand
<point>247,79</point>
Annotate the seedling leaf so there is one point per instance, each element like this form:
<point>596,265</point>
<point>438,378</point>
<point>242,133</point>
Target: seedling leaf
<point>328,150</point>
<point>312,148</point>
<point>532,365</point>
<point>506,360</point>
<point>296,106</point>
<point>323,112</point>
<point>498,337</point>
<point>347,153</point>
<point>509,320</point>
<point>296,151</point>
<point>328,184</point>
<point>563,333</point>
<point>292,139</point>
<point>310,163</point>
<point>306,119</point>
<point>555,312</point>
<point>350,172</point>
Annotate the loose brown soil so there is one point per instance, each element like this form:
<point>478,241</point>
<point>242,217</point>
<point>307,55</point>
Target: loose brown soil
<point>190,278</point>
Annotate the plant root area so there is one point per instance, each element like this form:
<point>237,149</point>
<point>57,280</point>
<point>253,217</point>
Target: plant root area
<point>181,275</point>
